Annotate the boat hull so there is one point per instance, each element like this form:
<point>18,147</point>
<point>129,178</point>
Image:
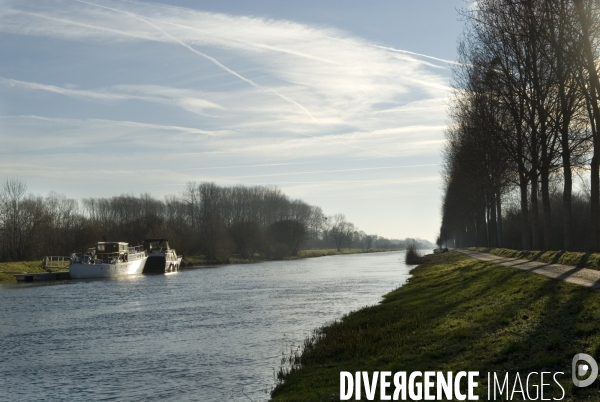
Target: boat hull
<point>78,270</point>
<point>158,264</point>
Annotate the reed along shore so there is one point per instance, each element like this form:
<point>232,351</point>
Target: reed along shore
<point>457,314</point>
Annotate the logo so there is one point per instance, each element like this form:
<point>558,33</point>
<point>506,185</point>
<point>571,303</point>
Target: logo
<point>584,364</point>
<point>463,385</point>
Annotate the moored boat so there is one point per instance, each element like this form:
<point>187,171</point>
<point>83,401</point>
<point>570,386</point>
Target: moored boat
<point>161,258</point>
<point>107,260</point>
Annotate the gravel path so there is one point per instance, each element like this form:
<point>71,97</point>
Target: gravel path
<point>579,276</point>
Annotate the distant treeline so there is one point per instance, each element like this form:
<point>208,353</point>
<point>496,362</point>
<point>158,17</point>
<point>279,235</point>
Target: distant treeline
<point>524,119</point>
<point>205,219</point>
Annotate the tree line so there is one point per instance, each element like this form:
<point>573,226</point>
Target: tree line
<point>524,120</point>
<point>205,219</point>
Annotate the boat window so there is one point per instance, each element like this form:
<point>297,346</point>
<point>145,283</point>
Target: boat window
<point>100,247</point>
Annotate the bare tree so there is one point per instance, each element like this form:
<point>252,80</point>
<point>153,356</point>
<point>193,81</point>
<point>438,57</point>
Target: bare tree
<point>341,231</point>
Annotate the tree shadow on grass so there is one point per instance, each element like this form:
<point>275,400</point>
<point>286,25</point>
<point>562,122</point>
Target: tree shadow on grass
<point>557,257</point>
<point>584,260</point>
<point>564,321</point>
<point>461,315</point>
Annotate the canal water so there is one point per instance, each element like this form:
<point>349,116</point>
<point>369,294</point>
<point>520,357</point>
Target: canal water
<point>210,334</point>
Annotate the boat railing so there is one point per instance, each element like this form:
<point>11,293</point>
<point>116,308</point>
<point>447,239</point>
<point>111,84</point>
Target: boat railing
<point>107,258</point>
<point>55,261</point>
<point>136,255</point>
<point>136,249</point>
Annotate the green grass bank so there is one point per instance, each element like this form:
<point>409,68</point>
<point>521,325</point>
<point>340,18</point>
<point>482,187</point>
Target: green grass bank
<point>8,269</point>
<point>457,314</point>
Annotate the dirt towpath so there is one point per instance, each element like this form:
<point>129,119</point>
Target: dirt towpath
<point>579,276</point>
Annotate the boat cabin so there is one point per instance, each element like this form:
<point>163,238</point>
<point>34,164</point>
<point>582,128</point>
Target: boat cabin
<point>156,244</point>
<point>106,247</point>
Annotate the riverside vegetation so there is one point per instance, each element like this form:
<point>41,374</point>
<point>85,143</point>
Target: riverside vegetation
<point>413,255</point>
<point>455,313</point>
<point>524,123</point>
<point>219,223</point>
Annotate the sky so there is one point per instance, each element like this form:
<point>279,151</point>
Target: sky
<point>339,103</point>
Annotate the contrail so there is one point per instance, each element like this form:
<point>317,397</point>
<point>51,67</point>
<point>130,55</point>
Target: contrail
<point>212,59</point>
<point>126,123</point>
<point>391,49</point>
<point>399,51</point>
<point>75,93</point>
<point>417,54</point>
<point>79,24</point>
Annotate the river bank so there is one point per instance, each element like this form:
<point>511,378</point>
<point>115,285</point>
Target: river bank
<point>457,314</point>
<point>8,269</point>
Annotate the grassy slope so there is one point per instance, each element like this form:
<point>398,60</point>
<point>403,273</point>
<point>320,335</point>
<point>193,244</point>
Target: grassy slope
<point>587,260</point>
<point>8,268</point>
<point>457,314</point>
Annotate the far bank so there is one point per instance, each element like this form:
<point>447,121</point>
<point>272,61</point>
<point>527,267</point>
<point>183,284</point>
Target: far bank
<point>457,314</point>
<point>8,269</point>
<point>199,261</point>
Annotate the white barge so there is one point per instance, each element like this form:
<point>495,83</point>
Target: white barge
<point>107,260</point>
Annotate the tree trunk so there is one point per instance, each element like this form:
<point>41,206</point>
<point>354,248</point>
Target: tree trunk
<point>483,239</point>
<point>499,218</point>
<point>535,222</point>
<point>546,208</point>
<point>595,202</point>
<point>567,190</point>
<point>525,233</point>
<point>493,222</point>
<point>566,161</point>
<point>541,134</point>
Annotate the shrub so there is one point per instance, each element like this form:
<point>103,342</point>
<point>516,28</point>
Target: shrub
<point>413,256</point>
